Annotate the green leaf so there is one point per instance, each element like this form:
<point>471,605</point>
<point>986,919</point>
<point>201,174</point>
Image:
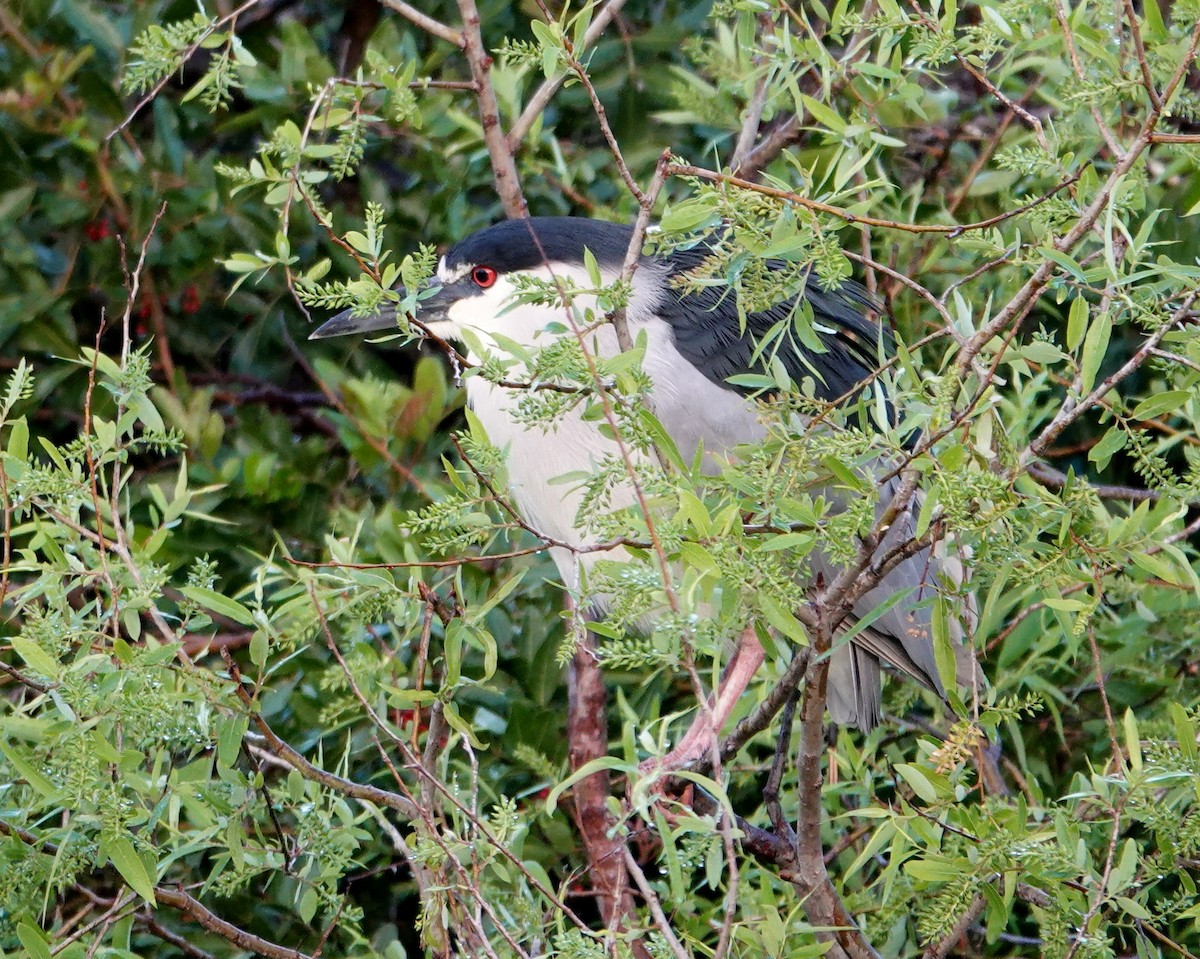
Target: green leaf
<point>934,870</point>
<point>127,862</point>
<point>37,658</point>
<point>1133,740</point>
<point>824,114</point>
<point>1125,870</point>
<point>259,647</point>
<point>598,765</point>
<point>454,718</point>
<point>1110,444</point>
<point>1155,565</point>
<point>1095,346</point>
<point>1155,29</point>
<point>18,440</point>
<point>30,773</point>
<point>1136,909</point>
<point>1166,402</point>
<point>212,600</point>
<point>1077,322</point>
<point>844,473</point>
<point>592,267</point>
<point>781,619</point>
<point>1185,732</point>
<point>31,939</point>
<point>230,732</point>
<point>1039,351</point>
<point>687,216</point>
<point>921,781</point>
<point>1064,261</point>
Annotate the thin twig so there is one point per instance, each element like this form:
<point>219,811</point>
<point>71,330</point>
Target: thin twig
<point>543,95</point>
<point>1071,410</point>
<point>656,909</point>
<point>219,24</point>
<point>633,252</point>
<point>687,170</point>
<point>426,22</point>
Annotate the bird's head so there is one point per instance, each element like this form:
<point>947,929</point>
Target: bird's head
<point>475,289</point>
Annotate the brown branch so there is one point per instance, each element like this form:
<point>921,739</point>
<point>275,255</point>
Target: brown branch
<point>1023,299</point>
<point>431,563</point>
<point>788,130</point>
<point>190,906</point>
<point>1170,943</point>
<point>176,897</point>
<point>19,677</point>
<point>822,904</point>
<point>504,167</point>
<point>1140,51</point>
<point>656,909</point>
<point>682,169</point>
<point>1051,478</point>
<point>779,823</point>
<point>601,115</point>
<point>762,714</point>
<point>587,739</point>
<point>381,797</point>
<point>182,943</point>
<point>1100,895</point>
<point>1073,54</point>
<point>941,948</point>
<point>197,644</point>
<point>426,22</point>
<point>771,145</point>
<point>750,123</point>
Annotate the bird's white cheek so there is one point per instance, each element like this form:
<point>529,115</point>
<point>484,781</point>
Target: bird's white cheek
<point>476,315</point>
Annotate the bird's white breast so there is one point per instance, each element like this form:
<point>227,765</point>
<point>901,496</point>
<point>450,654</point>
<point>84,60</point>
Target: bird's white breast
<point>696,412</point>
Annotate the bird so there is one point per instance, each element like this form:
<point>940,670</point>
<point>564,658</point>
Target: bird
<point>698,343</point>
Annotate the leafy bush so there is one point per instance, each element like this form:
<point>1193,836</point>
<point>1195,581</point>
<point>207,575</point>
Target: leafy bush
<point>284,673</point>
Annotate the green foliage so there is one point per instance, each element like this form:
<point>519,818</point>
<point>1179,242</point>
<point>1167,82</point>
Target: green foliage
<point>273,636</point>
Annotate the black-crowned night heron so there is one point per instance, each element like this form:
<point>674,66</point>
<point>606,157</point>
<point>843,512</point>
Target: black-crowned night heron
<point>694,343</point>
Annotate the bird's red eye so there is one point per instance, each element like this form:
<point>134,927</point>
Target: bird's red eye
<point>484,276</point>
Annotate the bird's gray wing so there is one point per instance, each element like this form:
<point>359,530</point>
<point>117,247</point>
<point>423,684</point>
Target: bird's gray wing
<point>902,636</point>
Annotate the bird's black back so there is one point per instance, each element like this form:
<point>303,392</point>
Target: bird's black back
<point>710,334</point>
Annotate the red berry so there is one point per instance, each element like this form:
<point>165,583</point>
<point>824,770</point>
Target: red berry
<point>189,302</point>
<point>97,230</point>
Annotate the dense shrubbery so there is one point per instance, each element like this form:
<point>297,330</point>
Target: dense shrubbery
<point>281,674</point>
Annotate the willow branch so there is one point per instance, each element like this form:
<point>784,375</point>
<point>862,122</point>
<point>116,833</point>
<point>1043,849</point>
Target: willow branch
<point>504,167</point>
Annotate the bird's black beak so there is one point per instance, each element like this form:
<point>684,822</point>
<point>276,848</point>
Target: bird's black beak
<point>385,318</point>
<point>346,322</point>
